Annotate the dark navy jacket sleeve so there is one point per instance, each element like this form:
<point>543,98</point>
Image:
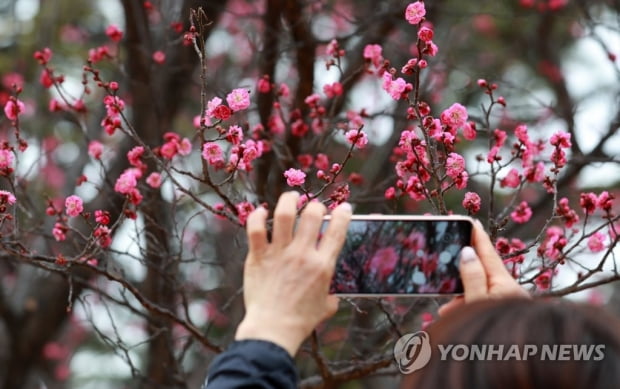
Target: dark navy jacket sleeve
<point>252,364</point>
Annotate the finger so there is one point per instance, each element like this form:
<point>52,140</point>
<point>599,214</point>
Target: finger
<point>485,249</point>
<point>451,305</point>
<point>309,225</point>
<point>284,219</point>
<point>331,306</point>
<point>473,275</point>
<point>336,232</point>
<point>257,232</point>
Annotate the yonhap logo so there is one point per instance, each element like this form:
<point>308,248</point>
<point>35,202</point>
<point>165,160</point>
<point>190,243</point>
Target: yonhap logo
<point>412,351</point>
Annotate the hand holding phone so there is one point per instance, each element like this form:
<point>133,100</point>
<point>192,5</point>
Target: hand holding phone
<point>401,255</point>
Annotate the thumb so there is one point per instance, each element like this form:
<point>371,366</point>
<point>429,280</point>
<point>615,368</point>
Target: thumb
<point>473,275</point>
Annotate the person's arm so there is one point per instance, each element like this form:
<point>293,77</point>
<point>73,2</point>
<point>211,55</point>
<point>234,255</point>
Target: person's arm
<point>252,364</point>
<point>285,290</point>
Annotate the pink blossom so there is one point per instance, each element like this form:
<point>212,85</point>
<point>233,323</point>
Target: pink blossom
<point>455,164</point>
<point>332,48</point>
<point>535,173</point>
<point>43,56</point>
<point>312,100</point>
<point>425,34</point>
<point>284,90</point>
<point>7,197</point>
<point>205,121</point>
<point>126,182</point>
<point>299,128</point>
<point>154,180</point>
<point>415,12</point>
<point>95,149</point>
<point>234,135</point>
<point>134,155</point>
<point>74,205</point>
<point>605,201</point>
<point>212,153</point>
<point>6,159</point>
<point>396,88</point>
<point>103,236</point>
<point>238,99</point>
<point>222,112</point>
<point>264,84</point>
<point>560,139</point>
<point>46,78</point>
<point>333,90</point>
<point>454,116</point>
<point>588,202</point>
<point>522,214</point>
<point>512,179</point>
<point>276,125</point>
<point>185,146</point>
<point>373,53</point>
<point>357,137</point>
<point>159,57</point>
<point>596,242</point>
<point>471,202</point>
<point>102,217</point>
<point>211,106</point>
<point>499,137</point>
<point>321,161</point>
<point>114,33</point>
<point>569,216</point>
<point>294,177</point>
<point>469,131</point>
<point>59,232</point>
<point>13,108</point>
<point>543,280</point>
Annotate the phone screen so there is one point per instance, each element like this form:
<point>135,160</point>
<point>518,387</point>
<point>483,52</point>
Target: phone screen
<point>401,257</point>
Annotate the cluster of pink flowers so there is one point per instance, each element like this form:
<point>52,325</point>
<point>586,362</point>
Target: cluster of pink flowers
<point>173,145</point>
<point>521,214</point>
<point>374,54</point>
<point>95,149</point>
<point>112,121</point>
<point>126,184</point>
<point>397,88</point>
<point>332,90</point>
<point>7,159</point>
<point>242,155</point>
<point>471,202</point>
<point>553,244</point>
<point>560,140</point>
<point>507,249</point>
<point>6,198</point>
<point>568,215</point>
<point>589,202</point>
<point>357,138</point>
<point>114,33</point>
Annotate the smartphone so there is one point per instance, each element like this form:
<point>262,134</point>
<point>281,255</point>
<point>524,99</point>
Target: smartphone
<point>401,255</point>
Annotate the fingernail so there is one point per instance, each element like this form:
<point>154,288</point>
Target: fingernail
<point>346,207</point>
<point>468,254</point>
